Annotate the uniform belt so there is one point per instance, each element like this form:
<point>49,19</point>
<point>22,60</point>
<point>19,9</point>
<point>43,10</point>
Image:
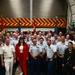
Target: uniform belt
<point>49,58</point>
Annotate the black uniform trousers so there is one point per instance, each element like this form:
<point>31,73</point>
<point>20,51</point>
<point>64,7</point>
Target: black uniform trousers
<point>2,69</point>
<point>68,70</point>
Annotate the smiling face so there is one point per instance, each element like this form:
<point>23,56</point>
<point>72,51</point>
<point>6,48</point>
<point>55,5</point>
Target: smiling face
<point>53,41</point>
<point>34,41</point>
<point>49,42</point>
<point>70,45</point>
<point>41,40</point>
<point>63,38</point>
<point>21,40</point>
<point>7,41</point>
<point>67,37</point>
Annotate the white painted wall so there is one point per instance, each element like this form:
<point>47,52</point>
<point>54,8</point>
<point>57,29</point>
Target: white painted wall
<point>31,29</point>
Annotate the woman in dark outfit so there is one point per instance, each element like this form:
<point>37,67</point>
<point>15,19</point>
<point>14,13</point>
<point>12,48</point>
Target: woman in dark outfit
<point>69,60</point>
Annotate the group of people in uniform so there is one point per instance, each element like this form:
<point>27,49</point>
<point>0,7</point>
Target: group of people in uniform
<point>53,54</point>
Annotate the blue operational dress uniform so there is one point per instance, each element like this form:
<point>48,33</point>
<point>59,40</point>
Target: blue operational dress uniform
<point>43,56</point>
<point>50,53</point>
<point>34,59</point>
<point>61,47</point>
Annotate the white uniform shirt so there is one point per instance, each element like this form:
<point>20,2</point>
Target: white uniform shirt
<point>51,38</point>
<point>29,43</point>
<point>43,37</point>
<point>8,51</point>
<point>61,47</point>
<point>67,41</point>
<point>51,50</point>
<point>1,48</point>
<point>34,49</point>
<point>73,43</point>
<point>15,41</point>
<point>42,47</point>
<point>11,40</point>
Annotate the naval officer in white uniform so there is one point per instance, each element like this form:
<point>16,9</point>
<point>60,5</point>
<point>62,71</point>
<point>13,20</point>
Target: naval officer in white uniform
<point>7,56</point>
